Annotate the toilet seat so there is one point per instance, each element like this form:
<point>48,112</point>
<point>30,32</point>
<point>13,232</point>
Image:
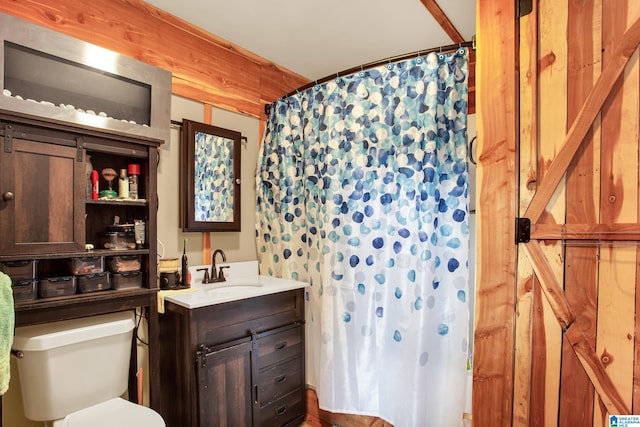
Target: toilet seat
<point>114,412</point>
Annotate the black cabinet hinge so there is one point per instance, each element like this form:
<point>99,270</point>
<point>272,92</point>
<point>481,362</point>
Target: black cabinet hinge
<point>523,230</point>
<point>8,138</point>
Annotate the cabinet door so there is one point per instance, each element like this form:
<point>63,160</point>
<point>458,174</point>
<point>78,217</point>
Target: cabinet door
<point>42,198</point>
<point>224,386</point>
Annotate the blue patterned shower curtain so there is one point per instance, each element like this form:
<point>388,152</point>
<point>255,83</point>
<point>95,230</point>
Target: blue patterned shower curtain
<point>362,191</point>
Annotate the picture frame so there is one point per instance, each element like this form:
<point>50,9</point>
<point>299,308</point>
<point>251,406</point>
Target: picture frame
<point>210,159</point>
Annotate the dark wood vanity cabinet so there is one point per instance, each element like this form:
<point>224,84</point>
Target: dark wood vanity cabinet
<point>239,363</point>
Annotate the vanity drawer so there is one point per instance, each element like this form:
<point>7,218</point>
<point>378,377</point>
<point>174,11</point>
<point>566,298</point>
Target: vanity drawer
<point>278,380</point>
<point>278,345</point>
<point>283,411</point>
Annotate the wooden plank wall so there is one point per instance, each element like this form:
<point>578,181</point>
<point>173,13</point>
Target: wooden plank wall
<point>564,47</point>
<point>581,261</point>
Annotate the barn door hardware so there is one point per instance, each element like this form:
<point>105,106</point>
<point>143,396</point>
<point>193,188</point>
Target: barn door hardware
<point>8,138</point>
<point>523,230</point>
<point>525,7</point>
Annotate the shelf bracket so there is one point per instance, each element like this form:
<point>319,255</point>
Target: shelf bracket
<point>8,139</point>
<point>523,230</point>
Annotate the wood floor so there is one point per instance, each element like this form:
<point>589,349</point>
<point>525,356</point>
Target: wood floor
<point>316,417</point>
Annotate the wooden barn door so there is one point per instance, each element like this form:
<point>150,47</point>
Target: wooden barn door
<point>577,340</point>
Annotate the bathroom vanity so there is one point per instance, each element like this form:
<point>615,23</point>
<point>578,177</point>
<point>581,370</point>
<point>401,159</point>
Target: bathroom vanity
<point>233,354</point>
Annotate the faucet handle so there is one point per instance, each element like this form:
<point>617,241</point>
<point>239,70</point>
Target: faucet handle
<point>221,277</point>
<point>205,279</point>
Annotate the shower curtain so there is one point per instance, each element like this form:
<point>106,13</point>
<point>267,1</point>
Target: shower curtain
<point>362,191</point>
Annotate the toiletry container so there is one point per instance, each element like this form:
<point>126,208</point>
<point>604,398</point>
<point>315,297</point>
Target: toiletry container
<point>73,372</point>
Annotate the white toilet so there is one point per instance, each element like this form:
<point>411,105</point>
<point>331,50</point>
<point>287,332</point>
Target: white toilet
<point>72,373</point>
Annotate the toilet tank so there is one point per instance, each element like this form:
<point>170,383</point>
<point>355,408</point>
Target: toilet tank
<point>73,364</point>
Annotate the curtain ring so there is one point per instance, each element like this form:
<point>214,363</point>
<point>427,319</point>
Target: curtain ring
<point>361,70</point>
<point>389,65</point>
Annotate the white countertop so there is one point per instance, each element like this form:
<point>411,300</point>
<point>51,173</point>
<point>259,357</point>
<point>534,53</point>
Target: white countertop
<point>243,281</point>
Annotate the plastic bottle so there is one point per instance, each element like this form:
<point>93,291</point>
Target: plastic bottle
<point>134,174</point>
<point>94,184</point>
<point>89,169</point>
<point>123,185</point>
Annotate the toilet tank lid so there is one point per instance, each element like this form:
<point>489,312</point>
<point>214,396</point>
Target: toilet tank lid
<point>57,334</point>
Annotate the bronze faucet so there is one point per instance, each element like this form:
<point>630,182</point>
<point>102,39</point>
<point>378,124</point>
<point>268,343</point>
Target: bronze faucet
<point>206,278</point>
<point>217,276</point>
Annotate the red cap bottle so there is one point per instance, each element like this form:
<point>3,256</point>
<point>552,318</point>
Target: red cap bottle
<point>94,185</point>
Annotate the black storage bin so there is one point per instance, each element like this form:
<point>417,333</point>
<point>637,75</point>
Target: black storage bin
<point>86,265</point>
<point>24,269</point>
<point>122,263</point>
<point>24,290</point>
<point>127,280</point>
<point>93,282</point>
<point>57,286</point>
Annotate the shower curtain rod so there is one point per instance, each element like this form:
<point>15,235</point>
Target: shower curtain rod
<point>445,49</point>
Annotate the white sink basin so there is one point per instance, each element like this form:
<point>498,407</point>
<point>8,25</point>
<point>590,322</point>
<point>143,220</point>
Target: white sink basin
<point>239,286</point>
<point>229,287</point>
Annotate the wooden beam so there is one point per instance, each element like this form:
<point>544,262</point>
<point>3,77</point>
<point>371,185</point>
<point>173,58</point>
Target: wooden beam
<point>603,232</point>
<point>205,68</point>
<point>596,372</point>
<point>497,110</point>
<point>443,20</point>
<point>583,121</point>
<point>206,236</point>
<point>526,298</point>
<point>551,288</point>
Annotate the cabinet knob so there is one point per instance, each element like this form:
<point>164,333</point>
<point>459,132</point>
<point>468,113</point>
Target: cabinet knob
<point>7,196</point>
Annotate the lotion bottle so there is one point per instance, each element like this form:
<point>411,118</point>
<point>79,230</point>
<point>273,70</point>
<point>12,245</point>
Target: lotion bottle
<point>123,184</point>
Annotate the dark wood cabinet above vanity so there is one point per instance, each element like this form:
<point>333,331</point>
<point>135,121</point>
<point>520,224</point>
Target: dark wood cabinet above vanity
<point>46,217</point>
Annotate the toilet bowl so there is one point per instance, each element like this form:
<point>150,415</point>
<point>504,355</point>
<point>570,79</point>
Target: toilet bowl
<point>114,412</point>
<point>74,372</point>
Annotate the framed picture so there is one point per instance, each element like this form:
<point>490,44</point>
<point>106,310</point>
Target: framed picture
<point>210,178</point>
